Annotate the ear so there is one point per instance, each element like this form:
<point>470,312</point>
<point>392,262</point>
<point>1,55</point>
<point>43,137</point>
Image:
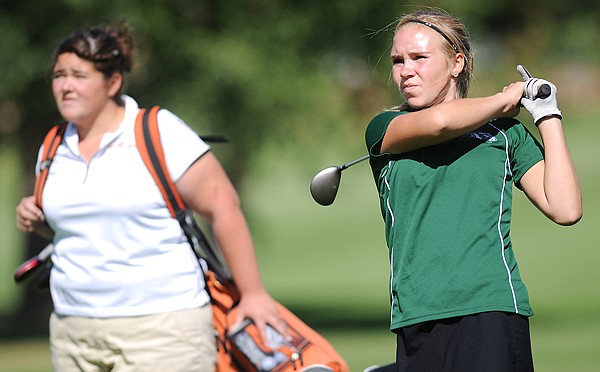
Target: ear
<point>458,64</point>
<point>114,84</point>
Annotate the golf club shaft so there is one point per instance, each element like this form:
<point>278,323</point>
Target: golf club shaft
<point>349,164</point>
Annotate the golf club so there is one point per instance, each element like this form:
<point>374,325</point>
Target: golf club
<point>543,91</point>
<point>33,265</point>
<point>325,184</point>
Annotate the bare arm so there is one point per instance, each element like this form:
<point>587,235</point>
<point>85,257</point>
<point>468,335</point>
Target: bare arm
<point>206,188</point>
<point>552,184</point>
<point>449,120</point>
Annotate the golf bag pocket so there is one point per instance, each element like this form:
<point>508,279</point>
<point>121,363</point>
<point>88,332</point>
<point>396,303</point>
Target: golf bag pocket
<point>241,348</point>
<point>248,348</point>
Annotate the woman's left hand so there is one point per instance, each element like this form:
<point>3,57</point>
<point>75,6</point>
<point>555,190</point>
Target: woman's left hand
<point>262,309</point>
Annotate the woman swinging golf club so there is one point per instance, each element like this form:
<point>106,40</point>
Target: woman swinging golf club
<point>444,166</point>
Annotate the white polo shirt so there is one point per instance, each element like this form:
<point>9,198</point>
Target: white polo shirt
<point>118,251</point>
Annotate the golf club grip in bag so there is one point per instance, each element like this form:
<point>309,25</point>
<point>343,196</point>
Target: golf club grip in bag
<point>238,349</point>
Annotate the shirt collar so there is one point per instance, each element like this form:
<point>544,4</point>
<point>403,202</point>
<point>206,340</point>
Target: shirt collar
<point>131,110</point>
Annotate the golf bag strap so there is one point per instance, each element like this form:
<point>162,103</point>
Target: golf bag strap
<point>149,146</point>
<point>147,137</point>
<point>51,142</point>
<point>148,143</point>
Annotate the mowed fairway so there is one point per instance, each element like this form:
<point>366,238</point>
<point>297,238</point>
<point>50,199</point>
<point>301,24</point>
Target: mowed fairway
<point>329,264</point>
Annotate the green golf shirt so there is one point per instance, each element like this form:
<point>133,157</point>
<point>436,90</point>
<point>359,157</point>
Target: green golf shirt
<point>447,211</point>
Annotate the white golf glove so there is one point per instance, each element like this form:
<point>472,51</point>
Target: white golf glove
<point>538,104</point>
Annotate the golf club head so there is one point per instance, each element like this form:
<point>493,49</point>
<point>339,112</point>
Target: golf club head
<point>324,185</point>
<point>34,265</point>
<point>28,269</point>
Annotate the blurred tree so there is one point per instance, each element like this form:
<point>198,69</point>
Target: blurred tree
<point>252,70</point>
<point>264,72</point>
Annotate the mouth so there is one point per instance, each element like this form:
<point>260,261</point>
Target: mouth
<point>67,99</point>
<point>409,88</point>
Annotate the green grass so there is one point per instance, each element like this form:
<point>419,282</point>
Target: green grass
<point>10,254</point>
<point>329,264</point>
<point>31,355</point>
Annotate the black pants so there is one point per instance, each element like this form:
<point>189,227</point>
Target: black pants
<point>485,342</point>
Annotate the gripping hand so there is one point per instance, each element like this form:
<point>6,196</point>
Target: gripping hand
<point>539,96</point>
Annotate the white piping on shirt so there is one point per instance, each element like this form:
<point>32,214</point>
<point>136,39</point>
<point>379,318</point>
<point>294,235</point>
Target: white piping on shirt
<point>391,212</point>
<point>506,171</point>
<point>387,185</point>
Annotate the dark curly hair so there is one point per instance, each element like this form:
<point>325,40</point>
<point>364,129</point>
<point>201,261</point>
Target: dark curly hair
<point>110,49</point>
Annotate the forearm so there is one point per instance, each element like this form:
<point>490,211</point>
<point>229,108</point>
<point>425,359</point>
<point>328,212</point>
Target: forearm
<point>444,121</point>
<point>561,185</point>
<point>233,237</point>
<point>207,190</point>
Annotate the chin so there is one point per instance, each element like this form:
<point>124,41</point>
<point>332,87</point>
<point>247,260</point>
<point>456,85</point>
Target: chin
<point>415,105</point>
<point>69,115</point>
<point>419,103</point>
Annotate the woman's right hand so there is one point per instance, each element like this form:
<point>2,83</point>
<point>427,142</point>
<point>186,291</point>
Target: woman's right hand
<point>512,95</point>
<point>30,217</point>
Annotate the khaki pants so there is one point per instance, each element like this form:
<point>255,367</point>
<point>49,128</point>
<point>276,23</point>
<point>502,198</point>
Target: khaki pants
<point>174,341</point>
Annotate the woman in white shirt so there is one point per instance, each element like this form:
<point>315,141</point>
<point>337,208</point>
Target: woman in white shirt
<point>127,290</point>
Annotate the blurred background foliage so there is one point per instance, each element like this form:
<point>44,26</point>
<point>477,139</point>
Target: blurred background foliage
<point>277,72</point>
<point>291,83</point>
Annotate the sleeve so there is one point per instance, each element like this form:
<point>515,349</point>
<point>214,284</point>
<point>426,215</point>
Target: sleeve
<point>181,144</point>
<point>376,130</point>
<point>525,151</point>
<point>373,137</point>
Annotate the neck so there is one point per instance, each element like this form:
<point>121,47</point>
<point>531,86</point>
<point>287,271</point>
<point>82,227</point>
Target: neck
<point>107,120</point>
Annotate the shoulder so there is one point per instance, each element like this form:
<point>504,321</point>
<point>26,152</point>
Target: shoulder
<point>384,118</point>
<point>374,135</point>
<point>378,125</point>
<point>165,115</point>
<point>182,145</point>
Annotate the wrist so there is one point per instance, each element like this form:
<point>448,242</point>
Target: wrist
<point>505,108</point>
<point>548,119</point>
<point>546,113</point>
<point>505,104</point>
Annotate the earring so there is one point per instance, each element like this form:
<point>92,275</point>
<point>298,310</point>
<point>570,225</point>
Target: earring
<point>455,74</point>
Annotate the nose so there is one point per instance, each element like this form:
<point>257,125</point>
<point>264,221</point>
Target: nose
<point>407,70</point>
<point>63,84</point>
<point>67,84</point>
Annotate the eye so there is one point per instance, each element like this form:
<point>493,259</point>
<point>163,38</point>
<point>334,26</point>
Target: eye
<point>397,60</point>
<point>58,74</point>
